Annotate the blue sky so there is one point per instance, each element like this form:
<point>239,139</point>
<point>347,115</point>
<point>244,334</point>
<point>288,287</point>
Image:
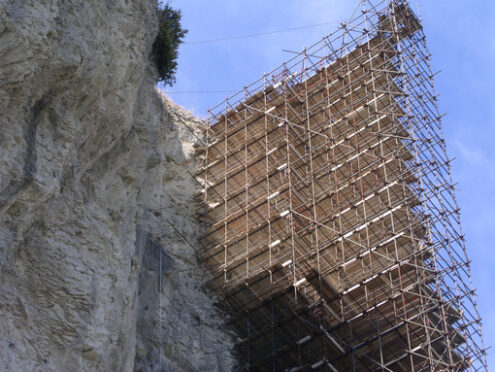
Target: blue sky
<point>461,37</point>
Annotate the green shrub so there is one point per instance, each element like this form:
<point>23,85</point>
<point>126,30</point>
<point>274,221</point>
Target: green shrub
<point>165,48</point>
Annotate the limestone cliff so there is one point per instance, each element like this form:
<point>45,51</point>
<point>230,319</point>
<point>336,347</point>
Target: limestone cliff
<point>96,198</point>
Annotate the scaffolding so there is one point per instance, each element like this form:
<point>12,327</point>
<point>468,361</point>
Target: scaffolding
<point>331,228</point>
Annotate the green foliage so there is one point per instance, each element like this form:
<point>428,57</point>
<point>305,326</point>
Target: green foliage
<point>165,48</point>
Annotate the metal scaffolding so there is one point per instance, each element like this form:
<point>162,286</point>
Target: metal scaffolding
<point>331,228</point>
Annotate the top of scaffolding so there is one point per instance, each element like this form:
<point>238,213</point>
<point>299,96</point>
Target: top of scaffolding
<point>361,27</point>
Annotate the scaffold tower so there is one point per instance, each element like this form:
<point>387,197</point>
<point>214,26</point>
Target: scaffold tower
<point>331,228</point>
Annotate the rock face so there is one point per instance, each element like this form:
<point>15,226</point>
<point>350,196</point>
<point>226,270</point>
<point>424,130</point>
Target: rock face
<point>96,199</point>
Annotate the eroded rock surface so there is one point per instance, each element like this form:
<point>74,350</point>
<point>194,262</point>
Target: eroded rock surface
<point>96,198</point>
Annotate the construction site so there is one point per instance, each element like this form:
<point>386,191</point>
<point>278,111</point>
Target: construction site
<point>331,229</point>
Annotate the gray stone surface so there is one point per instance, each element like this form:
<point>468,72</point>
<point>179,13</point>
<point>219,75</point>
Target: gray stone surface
<point>94,165</point>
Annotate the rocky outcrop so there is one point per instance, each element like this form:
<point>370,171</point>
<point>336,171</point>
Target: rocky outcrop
<point>97,234</point>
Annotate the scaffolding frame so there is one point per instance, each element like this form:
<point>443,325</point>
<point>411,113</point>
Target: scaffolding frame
<point>331,227</point>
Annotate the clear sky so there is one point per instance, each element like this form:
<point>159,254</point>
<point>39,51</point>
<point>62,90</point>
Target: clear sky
<point>461,37</point>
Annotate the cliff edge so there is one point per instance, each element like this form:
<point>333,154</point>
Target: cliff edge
<point>97,231</point>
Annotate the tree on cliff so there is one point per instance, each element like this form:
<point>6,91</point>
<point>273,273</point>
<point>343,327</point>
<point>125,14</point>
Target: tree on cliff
<point>166,46</point>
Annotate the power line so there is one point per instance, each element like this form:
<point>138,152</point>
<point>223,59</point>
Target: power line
<point>258,34</point>
<point>198,91</point>
<point>240,37</point>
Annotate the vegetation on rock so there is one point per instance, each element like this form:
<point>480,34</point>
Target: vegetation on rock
<point>166,46</point>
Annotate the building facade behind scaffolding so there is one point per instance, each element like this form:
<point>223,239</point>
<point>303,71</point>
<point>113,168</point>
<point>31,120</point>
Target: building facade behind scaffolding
<point>331,228</point>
